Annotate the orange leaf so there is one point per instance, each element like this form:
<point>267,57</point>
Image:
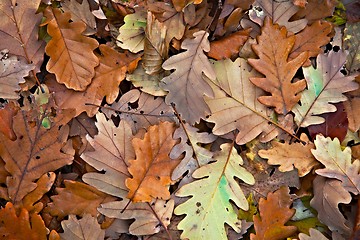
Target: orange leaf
<point>152,168</point>
<point>71,54</point>
<point>6,121</point>
<point>228,46</point>
<point>273,49</point>
<point>22,227</point>
<point>36,150</point>
<point>274,213</point>
<point>76,198</point>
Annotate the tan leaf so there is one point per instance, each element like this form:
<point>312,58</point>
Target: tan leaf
<point>19,30</point>
<point>76,198</point>
<point>228,46</point>
<point>22,227</point>
<point>274,213</point>
<point>152,168</point>
<point>86,228</point>
<point>189,67</point>
<point>71,54</point>
<point>273,47</point>
<point>292,155</point>
<point>36,151</point>
<point>113,150</point>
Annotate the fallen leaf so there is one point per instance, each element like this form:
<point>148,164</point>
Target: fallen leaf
<point>352,45</point>
<point>316,10</point>
<point>22,226</point>
<point>194,63</point>
<point>275,211</point>
<point>273,47</point>
<point>87,228</point>
<point>71,54</point>
<point>211,194</point>
<point>6,120</point>
<point>314,235</point>
<point>152,168</point>
<point>352,107</point>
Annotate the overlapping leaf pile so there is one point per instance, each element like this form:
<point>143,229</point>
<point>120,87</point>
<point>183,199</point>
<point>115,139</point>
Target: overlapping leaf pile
<point>174,119</point>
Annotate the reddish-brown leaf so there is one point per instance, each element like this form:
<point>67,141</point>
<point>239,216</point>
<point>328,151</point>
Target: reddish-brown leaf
<point>228,46</point>
<point>6,121</point>
<point>22,227</point>
<point>152,168</point>
<point>316,10</point>
<point>274,213</point>
<point>273,49</point>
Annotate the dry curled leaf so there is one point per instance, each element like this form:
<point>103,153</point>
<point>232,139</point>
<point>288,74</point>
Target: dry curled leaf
<point>273,48</point>
<point>152,168</point>
<point>72,59</point>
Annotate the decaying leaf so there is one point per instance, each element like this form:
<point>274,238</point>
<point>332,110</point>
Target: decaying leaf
<point>19,30</point>
<point>76,198</point>
<point>275,211</point>
<point>132,33</point>
<point>152,168</point>
<point>325,85</point>
<point>327,195</point>
<point>113,150</point>
<point>235,106</point>
<point>337,163</point>
<point>87,228</point>
<point>36,151</point>
<point>290,156</point>
<point>22,226</point>
<point>211,195</point>
<point>71,54</point>
<point>189,67</point>
<point>273,47</point>
<point>352,44</point>
<point>12,72</point>
<point>149,217</point>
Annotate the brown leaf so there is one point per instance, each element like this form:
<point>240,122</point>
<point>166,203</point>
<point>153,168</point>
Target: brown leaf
<point>352,107</point>
<point>289,156</point>
<point>180,4</point>
<point>311,39</point>
<point>22,227</point>
<point>152,168</point>
<point>19,30</point>
<point>76,198</point>
<point>228,46</point>
<point>316,10</point>
<point>86,228</point>
<point>71,54</point>
<point>6,121</point>
<point>36,151</point>
<point>273,48</point>
<point>274,213</point>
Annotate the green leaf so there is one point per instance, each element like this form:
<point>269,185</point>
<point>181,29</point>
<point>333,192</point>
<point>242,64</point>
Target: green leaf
<point>209,207</point>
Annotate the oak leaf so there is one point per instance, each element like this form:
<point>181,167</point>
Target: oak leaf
<point>229,45</point>
<point>113,150</point>
<point>274,213</point>
<point>6,120</point>
<point>152,168</point>
<point>310,39</point>
<point>325,85</point>
<point>316,10</point>
<point>273,49</point>
<point>23,227</point>
<point>76,198</point>
<point>235,106</point>
<point>81,12</point>
<point>12,72</point>
<point>149,217</point>
<point>87,228</point>
<point>19,30</point>
<point>141,110</point>
<point>328,194</point>
<point>280,13</point>
<point>36,150</point>
<point>352,45</point>
<point>352,107</point>
<point>72,59</point>
<point>314,235</point>
<point>132,33</point>
<point>337,163</point>
<point>290,156</point>
<point>189,67</point>
<point>211,195</point>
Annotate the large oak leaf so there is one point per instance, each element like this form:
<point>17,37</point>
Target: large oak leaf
<point>152,168</point>
<point>273,49</point>
<point>86,228</point>
<point>36,151</point>
<point>72,59</point>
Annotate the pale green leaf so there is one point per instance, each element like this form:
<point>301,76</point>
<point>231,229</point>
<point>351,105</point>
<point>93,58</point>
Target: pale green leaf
<point>210,208</point>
